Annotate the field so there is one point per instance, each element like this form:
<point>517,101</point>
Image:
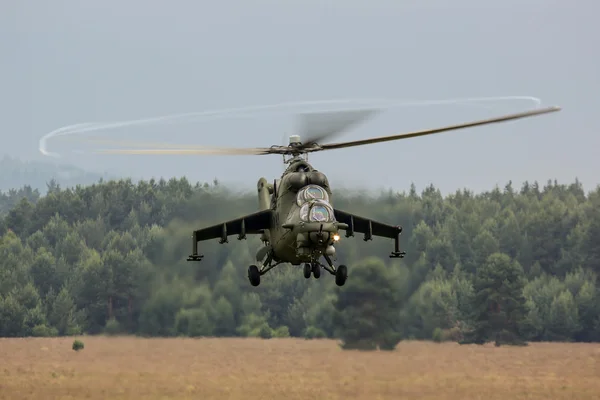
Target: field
<point>135,368</point>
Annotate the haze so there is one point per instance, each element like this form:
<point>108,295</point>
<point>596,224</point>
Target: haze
<point>67,62</point>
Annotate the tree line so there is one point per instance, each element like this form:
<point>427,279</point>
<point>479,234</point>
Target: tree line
<point>506,265</point>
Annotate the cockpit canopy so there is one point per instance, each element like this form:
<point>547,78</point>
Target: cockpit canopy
<point>316,211</point>
<point>311,192</point>
<point>314,204</point>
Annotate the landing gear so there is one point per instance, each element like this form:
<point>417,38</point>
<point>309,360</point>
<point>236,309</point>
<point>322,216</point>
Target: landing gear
<point>307,270</point>
<point>254,275</point>
<point>312,268</point>
<point>316,270</point>
<point>341,274</point>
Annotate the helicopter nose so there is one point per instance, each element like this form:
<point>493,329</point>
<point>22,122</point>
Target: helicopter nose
<point>319,237</point>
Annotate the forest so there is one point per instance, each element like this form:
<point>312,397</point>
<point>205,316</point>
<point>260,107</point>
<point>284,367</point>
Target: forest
<point>510,265</point>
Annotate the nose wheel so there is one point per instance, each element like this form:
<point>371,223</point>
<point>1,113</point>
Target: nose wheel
<point>307,270</point>
<point>340,273</point>
<point>314,269</point>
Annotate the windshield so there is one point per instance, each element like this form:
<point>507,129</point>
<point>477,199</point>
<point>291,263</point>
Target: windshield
<point>311,192</point>
<point>319,213</point>
<point>316,211</point>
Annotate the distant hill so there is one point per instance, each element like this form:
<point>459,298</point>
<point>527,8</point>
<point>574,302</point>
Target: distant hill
<point>15,174</point>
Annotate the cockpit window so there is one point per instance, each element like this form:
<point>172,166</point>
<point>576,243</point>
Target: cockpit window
<point>314,192</point>
<point>304,211</point>
<point>316,211</point>
<point>311,192</point>
<point>319,213</point>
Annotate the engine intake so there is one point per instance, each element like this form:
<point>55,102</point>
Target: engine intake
<point>298,180</point>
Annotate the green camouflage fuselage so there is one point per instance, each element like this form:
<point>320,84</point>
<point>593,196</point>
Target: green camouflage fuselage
<point>292,238</point>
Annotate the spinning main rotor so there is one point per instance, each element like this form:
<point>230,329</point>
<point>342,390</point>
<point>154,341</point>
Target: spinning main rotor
<point>315,127</point>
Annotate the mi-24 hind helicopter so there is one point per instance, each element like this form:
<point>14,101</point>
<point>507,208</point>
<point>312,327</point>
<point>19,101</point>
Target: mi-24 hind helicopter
<point>297,221</point>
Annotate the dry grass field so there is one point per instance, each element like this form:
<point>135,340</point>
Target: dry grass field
<point>134,368</point>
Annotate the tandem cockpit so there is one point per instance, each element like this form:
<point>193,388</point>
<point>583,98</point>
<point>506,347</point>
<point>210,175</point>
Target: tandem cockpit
<point>314,204</point>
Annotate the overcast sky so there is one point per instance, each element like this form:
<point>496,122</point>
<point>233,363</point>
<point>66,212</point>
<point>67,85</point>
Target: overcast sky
<point>66,62</point>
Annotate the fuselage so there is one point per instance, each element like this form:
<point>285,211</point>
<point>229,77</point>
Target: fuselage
<point>304,224</point>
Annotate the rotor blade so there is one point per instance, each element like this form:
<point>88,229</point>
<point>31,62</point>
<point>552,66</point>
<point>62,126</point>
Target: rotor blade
<point>314,127</point>
<point>504,118</point>
<point>128,143</point>
<point>190,151</point>
<point>166,148</point>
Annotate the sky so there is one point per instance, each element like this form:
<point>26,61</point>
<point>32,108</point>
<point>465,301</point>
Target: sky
<point>67,62</point>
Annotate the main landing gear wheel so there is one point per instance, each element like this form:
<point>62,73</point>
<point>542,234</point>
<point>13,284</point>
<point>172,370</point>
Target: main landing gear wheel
<point>307,270</point>
<point>341,274</point>
<point>254,275</point>
<point>316,270</point>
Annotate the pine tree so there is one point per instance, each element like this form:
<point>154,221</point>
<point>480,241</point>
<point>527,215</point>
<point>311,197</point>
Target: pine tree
<point>366,311</point>
<point>498,309</point>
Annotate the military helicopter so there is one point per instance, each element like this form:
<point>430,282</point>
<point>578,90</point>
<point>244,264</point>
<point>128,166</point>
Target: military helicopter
<point>297,221</point>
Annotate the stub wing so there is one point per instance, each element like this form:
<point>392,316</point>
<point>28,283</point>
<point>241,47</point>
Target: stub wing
<point>255,223</point>
<point>367,226</point>
<point>370,228</point>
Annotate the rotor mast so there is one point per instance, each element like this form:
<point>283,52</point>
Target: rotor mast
<point>295,152</point>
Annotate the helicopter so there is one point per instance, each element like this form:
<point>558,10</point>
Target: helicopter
<point>296,220</point>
